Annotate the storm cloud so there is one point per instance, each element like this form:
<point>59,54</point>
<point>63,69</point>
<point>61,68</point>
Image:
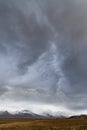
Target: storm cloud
<point>43,52</point>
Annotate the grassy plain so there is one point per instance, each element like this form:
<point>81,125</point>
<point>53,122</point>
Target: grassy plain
<point>43,124</point>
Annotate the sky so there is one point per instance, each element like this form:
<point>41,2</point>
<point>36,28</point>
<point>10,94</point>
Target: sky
<point>43,56</point>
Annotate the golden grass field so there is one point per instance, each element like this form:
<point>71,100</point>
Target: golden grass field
<point>43,124</point>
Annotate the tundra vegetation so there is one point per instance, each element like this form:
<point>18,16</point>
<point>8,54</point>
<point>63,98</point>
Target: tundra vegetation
<point>43,124</point>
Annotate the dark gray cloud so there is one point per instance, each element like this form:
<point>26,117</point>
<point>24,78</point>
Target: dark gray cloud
<point>43,50</point>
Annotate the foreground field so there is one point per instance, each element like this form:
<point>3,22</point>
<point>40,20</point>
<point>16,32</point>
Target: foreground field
<point>43,124</point>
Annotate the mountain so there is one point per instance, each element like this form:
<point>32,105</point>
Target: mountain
<point>31,115</point>
<point>79,116</point>
<point>21,114</point>
<point>26,114</point>
<point>51,115</point>
<point>5,114</point>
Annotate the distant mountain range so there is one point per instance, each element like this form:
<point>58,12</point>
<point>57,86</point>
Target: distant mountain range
<point>21,114</point>
<point>29,114</point>
<point>79,116</point>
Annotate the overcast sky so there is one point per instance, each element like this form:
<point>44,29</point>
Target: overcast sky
<point>43,55</point>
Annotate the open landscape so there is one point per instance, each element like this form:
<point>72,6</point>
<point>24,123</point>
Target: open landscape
<point>43,64</point>
<point>43,124</point>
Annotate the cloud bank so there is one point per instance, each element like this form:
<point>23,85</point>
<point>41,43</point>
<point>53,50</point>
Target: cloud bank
<point>43,53</point>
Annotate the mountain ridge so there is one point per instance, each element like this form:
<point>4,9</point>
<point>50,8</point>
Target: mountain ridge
<point>29,114</point>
